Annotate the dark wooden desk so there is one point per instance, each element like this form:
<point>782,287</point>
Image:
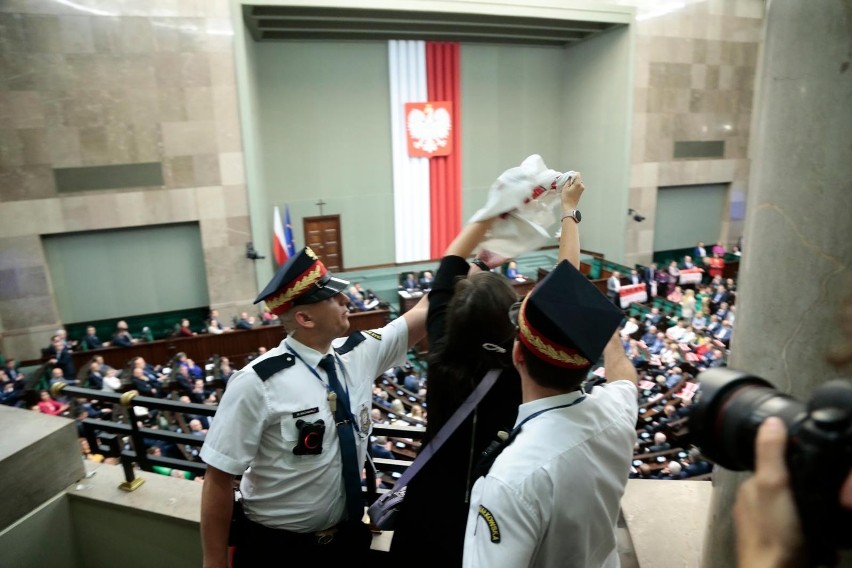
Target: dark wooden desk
<point>408,300</point>
<point>236,345</point>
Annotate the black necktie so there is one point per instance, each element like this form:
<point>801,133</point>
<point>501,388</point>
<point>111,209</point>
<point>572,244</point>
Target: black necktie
<point>348,449</point>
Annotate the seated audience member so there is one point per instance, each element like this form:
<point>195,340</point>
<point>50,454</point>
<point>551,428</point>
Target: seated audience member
<point>381,397</point>
<point>699,321</point>
<point>714,358</point>
<point>676,331</point>
<point>184,330</point>
<point>91,340</point>
<point>674,470</point>
<point>10,366</point>
<point>142,383</point>
<point>634,353</point>
<point>658,344</point>
<point>724,333</point>
<point>411,382</point>
<point>199,393</point>
<point>410,282</point>
<point>426,280</point>
<point>245,322</point>
<point>718,248</point>
<point>722,311</point>
<point>675,295</point>
<point>512,270</point>
<point>670,354</point>
<point>654,317</point>
<point>687,262</point>
<point>94,376</point>
<point>417,412</point>
<point>660,444</point>
<point>688,336</point>
<point>214,325</point>
<point>631,326</point>
<point>225,370</point>
<point>649,336</point>
<point>381,448</point>
<point>48,405</point>
<point>696,465</point>
<point>111,381</point>
<point>356,299</point>
<point>674,377</point>
<point>376,416</point>
<point>122,337</point>
<point>184,380</point>
<point>397,407</point>
<point>268,318</point>
<point>56,376</point>
<point>10,396</point>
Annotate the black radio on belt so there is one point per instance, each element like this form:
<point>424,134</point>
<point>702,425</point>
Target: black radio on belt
<point>310,437</point>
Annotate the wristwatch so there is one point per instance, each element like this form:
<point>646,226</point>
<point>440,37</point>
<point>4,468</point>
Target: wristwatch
<point>573,214</point>
<point>481,264</point>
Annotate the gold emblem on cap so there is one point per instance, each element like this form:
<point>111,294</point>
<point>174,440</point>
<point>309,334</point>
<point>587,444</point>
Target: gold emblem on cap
<point>311,253</point>
<point>549,350</point>
<point>296,289</point>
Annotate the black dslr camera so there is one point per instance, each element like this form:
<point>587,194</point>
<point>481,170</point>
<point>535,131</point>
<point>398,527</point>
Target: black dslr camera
<point>723,423</point>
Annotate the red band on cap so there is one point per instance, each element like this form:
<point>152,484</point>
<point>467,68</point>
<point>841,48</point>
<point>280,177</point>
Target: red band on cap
<point>553,353</point>
<point>282,301</point>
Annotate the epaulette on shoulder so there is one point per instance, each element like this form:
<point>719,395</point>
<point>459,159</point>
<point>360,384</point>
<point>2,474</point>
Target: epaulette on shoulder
<point>351,342</point>
<point>269,367</point>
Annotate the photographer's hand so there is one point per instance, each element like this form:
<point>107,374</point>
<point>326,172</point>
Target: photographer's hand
<point>768,529</point>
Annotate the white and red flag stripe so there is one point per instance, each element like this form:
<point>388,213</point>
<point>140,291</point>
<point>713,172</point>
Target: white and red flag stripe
<point>427,191</point>
<point>279,246</point>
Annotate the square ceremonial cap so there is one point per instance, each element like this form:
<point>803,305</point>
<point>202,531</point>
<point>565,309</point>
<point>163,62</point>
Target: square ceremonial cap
<point>566,320</point>
<point>303,279</point>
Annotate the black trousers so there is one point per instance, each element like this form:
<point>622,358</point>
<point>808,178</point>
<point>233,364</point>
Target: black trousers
<point>259,545</point>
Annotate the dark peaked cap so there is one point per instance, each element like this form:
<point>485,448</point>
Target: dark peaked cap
<point>565,320</point>
<point>303,279</point>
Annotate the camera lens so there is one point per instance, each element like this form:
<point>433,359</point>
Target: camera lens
<point>729,408</point>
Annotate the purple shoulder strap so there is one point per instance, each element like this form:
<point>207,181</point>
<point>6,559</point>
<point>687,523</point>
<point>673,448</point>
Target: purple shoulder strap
<point>444,433</point>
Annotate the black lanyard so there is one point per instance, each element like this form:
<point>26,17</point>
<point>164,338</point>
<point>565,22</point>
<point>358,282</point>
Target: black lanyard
<point>496,448</point>
<point>517,428</point>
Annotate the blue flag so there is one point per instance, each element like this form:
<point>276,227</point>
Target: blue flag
<point>288,233</point>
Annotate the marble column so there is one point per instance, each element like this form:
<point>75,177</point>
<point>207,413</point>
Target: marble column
<point>798,233</point>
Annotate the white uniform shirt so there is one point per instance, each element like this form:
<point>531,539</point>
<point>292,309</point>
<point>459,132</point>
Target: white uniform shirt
<point>552,497</point>
<point>255,430</point>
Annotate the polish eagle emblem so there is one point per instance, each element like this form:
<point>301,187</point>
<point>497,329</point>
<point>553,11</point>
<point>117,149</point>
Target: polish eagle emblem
<point>428,126</point>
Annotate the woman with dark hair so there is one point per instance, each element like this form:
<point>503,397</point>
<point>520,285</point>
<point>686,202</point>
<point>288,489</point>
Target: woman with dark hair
<point>469,334</point>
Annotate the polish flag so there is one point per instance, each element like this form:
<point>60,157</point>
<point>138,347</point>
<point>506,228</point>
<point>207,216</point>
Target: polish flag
<point>425,97</point>
<point>279,248</point>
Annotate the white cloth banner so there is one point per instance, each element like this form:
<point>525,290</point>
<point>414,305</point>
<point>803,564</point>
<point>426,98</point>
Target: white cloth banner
<point>632,293</point>
<point>690,275</point>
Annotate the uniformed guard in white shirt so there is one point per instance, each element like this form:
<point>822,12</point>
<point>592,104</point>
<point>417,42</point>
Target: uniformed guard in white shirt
<point>553,485</point>
<point>295,424</point>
